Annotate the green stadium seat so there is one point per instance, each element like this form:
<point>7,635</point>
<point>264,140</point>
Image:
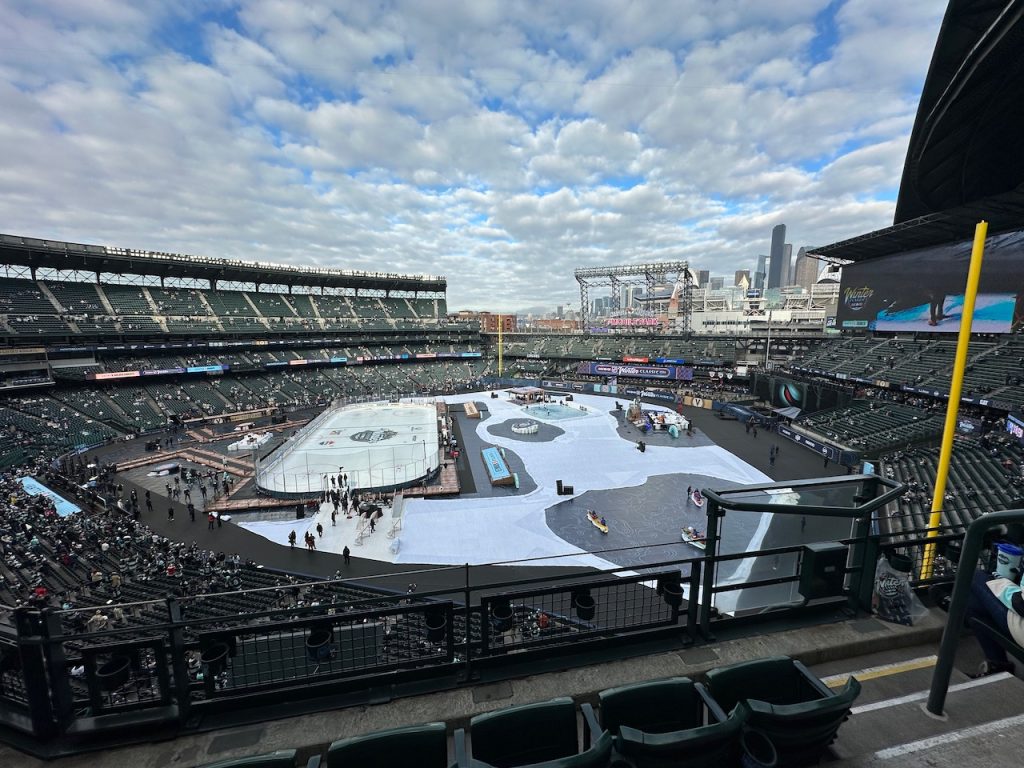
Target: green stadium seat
<point>425,746</point>
<point>282,758</point>
<point>663,722</point>
<point>542,735</point>
<point>780,698</point>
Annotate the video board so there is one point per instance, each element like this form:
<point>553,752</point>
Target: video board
<point>923,290</point>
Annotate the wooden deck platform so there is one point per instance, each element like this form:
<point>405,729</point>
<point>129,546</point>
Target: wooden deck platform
<point>159,457</point>
<point>248,505</point>
<point>196,455</point>
<point>219,461</point>
<point>447,483</point>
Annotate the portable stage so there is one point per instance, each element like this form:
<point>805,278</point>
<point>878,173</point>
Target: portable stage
<point>523,395</point>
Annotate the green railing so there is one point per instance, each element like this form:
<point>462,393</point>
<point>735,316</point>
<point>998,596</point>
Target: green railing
<point>182,659</point>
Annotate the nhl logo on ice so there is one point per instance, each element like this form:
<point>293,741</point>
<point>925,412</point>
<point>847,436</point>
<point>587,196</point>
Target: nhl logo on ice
<point>373,435</point>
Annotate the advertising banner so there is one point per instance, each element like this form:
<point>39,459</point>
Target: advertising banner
<point>207,368</point>
<point>1015,427</point>
<point>664,372</point>
<point>923,290</point>
<point>968,425</point>
<point>633,322</point>
<point>822,449</point>
<point>112,375</point>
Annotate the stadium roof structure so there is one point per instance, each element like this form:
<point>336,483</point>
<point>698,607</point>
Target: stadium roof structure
<point>965,160</point>
<point>55,254</point>
<point>967,142</point>
<point>1004,213</point>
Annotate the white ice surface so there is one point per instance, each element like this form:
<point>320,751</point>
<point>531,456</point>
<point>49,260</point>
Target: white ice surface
<point>589,456</point>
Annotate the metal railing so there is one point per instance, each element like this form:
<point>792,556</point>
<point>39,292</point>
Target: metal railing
<point>183,658</point>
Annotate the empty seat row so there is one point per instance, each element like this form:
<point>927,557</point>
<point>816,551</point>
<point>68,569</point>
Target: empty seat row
<point>765,712</point>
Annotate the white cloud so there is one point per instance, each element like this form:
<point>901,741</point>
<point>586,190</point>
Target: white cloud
<point>500,143</point>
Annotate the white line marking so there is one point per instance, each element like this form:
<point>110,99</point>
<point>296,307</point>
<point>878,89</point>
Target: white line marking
<point>922,695</point>
<point>869,672</point>
<point>947,738</point>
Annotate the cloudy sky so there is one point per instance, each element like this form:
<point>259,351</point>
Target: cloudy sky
<point>497,142</point>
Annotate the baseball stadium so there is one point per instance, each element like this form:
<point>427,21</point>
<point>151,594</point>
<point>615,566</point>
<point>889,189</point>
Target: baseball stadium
<point>258,514</point>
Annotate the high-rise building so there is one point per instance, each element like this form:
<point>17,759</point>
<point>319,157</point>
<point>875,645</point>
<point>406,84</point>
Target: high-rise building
<point>628,295</point>
<point>778,272</point>
<point>787,264</point>
<point>806,270</point>
<point>740,276</point>
<point>717,283</point>
<point>702,278</point>
<point>760,273</point>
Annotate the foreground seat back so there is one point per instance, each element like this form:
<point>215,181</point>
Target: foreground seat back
<point>777,680</point>
<point>798,713</point>
<point>658,706</point>
<point>662,723</point>
<point>801,733</point>
<point>282,758</point>
<point>425,746</point>
<point>538,735</point>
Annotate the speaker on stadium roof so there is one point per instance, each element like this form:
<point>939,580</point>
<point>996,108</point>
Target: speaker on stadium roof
<point>558,487</point>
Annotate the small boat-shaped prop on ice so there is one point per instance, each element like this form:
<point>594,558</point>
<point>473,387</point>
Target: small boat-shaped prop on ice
<point>597,521</point>
<point>692,536</point>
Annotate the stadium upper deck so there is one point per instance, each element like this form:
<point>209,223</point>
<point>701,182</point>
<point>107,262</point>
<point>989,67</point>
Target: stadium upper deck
<point>55,289</point>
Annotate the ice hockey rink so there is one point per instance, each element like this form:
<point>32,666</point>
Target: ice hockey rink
<point>378,445</point>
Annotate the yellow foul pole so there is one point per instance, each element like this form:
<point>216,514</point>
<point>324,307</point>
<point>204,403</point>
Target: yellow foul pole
<point>501,348</point>
<point>955,387</point>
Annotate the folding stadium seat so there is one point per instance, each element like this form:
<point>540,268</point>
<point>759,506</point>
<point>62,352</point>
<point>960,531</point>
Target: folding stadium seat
<point>425,746</point>
<point>662,723</point>
<point>282,758</point>
<point>534,735</point>
<point>779,697</point>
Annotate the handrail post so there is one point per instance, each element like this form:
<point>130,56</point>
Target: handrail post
<point>708,589</point>
<point>958,602</point>
<point>179,667</point>
<point>30,626</point>
<point>861,552</point>
<point>467,597</point>
<point>693,603</point>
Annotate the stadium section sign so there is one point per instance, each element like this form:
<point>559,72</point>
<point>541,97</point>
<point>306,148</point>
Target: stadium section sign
<point>923,290</point>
